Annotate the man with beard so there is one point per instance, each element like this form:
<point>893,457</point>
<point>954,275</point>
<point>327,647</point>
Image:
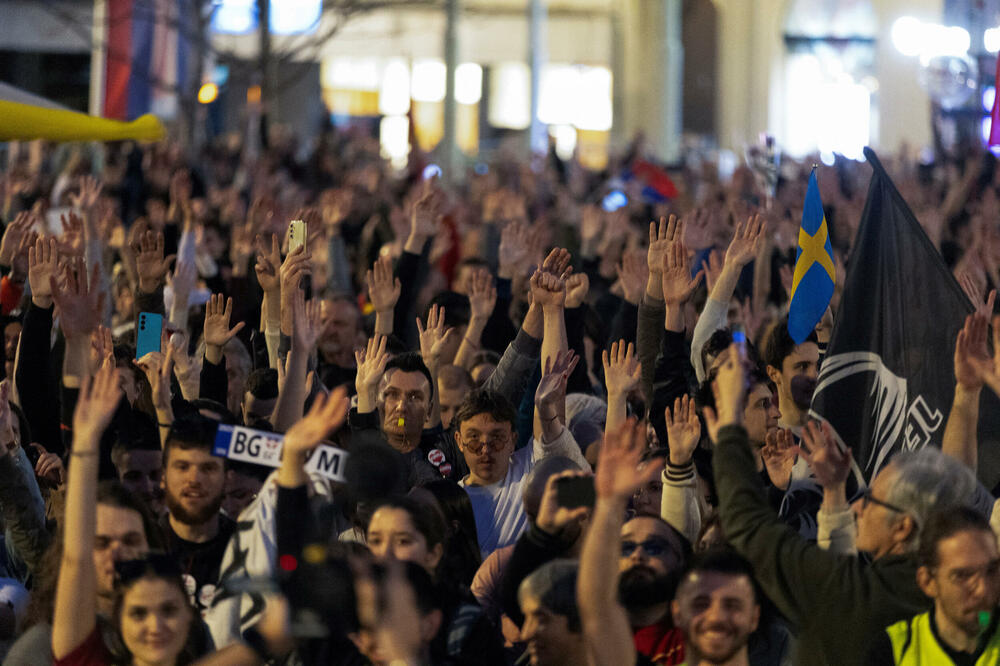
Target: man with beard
<point>194,480</point>
<point>716,608</point>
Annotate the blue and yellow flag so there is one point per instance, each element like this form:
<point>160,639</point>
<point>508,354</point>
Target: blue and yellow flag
<point>815,275</point>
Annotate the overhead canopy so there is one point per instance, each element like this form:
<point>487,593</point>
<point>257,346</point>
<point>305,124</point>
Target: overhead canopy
<point>24,116</point>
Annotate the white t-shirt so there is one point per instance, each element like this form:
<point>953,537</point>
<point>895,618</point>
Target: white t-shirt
<point>499,511</point>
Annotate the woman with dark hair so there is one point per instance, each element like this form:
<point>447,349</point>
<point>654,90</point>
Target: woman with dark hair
<point>152,616</point>
<point>461,556</point>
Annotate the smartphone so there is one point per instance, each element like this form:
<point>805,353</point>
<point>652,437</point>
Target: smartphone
<point>296,235</point>
<point>575,491</point>
<point>614,200</point>
<point>147,338</point>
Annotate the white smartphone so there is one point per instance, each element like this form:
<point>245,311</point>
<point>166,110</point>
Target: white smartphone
<point>297,234</point>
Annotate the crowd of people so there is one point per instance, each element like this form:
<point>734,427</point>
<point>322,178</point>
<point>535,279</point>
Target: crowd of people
<point>559,448</point>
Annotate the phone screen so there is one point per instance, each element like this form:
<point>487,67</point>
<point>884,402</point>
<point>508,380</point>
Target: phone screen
<point>575,491</point>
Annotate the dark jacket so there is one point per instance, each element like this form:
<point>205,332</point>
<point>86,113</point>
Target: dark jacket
<point>839,604</point>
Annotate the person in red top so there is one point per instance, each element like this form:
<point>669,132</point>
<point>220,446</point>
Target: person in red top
<point>151,611</point>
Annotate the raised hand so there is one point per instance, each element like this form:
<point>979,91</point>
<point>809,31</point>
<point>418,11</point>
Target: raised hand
<point>660,239</point>
<point>383,288</point>
<point>426,212</point>
<point>729,391</point>
<point>295,267</point>
<point>80,303</point>
<point>619,470</point>
<point>678,285</point>
<point>217,313</point>
<point>976,293</point>
<point>591,225</point>
<point>697,229</point>
<point>101,348</point>
<point>326,415</point>
<point>515,249</point>
<point>552,517</point>
<point>622,369</point>
<point>557,263</point>
<point>828,461</point>
<point>747,240</point>
<point>555,375</point>
<point>150,263</point>
<point>159,367</point>
<point>371,363</point>
<point>547,290</point>
<point>43,265</point>
<point>482,295</point>
<point>49,466</point>
<point>268,262</point>
<point>95,406</point>
<point>308,322</point>
<point>434,337</point>
<point>13,236</point>
<point>632,274</point>
<point>972,357</point>
<point>683,430</point>
<point>71,241</point>
<point>712,268</point>
<point>577,286</point>
<point>778,456</point>
<point>86,199</point>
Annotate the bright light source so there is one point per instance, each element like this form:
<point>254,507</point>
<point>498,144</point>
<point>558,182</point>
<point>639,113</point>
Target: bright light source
<point>468,83</point>
<point>576,95</point>
<point>350,74</point>
<point>991,39</point>
<point>565,136</point>
<point>827,158</point>
<point>428,81</point>
<point>989,95</point>
<point>208,93</point>
<point>984,126</point>
<point>235,16</point>
<point>290,17</point>
<point>913,37</point>
<point>908,35</point>
<point>594,108</point>
<point>510,96</point>
<point>394,137</point>
<point>394,93</point>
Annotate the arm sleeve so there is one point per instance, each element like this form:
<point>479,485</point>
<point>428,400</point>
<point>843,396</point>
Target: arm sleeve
<point>36,386</point>
<point>670,380</point>
<point>837,532</point>
<point>149,302</point>
<point>23,509</point>
<point>500,330</point>
<point>679,505</point>
<point>714,315</point>
<point>338,273</point>
<point>796,575</point>
<point>625,324</point>
<point>213,381</point>
<point>578,381</point>
<point>408,272</point>
<point>515,368</point>
<point>649,328</point>
<point>563,445</point>
<point>533,549</point>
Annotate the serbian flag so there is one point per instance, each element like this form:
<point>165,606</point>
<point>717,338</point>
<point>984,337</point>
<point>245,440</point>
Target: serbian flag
<point>657,187</point>
<point>140,57</point>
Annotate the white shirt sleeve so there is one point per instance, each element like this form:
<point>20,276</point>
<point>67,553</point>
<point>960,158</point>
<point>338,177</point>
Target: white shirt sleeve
<point>563,445</point>
<point>714,315</point>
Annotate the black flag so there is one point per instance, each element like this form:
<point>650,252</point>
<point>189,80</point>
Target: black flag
<point>887,381</point>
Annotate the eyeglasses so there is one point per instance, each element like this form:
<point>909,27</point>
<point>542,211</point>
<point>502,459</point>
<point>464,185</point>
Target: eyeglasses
<point>652,547</point>
<point>972,576</point>
<point>651,488</point>
<point>496,441</point>
<point>867,497</point>
<point>156,564</point>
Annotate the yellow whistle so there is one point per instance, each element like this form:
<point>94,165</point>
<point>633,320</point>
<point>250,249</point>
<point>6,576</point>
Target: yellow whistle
<point>401,422</point>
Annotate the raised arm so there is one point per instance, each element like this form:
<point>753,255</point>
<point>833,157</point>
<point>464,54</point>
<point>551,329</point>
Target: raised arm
<point>482,301</point>
<point>679,503</point>
<point>326,415</point>
<point>217,333</point>
<point>308,324</point>
<point>619,473</point>
<point>383,292</point>
<point>75,614</point>
<point>80,305</point>
<point>621,374</point>
<point>433,338</point>
<point>971,354</point>
<point>267,267</point>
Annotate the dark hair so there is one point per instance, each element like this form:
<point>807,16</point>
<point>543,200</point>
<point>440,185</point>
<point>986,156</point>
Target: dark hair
<point>778,343</point>
<point>427,519</point>
<point>943,525</point>
<point>225,416</point>
<point>411,362</point>
<point>456,308</point>
<point>137,432</point>
<point>724,560</point>
<point>454,377</point>
<point>686,549</point>
<point>705,398</point>
<point>262,384</point>
<point>190,431</point>
<point>113,493</point>
<point>462,557</point>
<point>483,401</point>
<point>554,585</point>
<point>717,343</point>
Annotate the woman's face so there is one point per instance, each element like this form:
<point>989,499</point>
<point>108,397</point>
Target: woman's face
<point>391,534</point>
<point>155,621</point>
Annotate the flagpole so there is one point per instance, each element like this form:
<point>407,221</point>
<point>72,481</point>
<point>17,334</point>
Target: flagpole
<point>98,55</point>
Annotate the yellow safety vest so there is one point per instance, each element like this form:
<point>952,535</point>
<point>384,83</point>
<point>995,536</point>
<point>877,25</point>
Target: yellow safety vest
<point>914,644</point>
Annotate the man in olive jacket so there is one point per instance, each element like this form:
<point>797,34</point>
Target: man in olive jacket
<point>837,604</point>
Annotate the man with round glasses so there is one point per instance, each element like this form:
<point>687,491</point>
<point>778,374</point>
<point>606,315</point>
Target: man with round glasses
<point>484,431</point>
